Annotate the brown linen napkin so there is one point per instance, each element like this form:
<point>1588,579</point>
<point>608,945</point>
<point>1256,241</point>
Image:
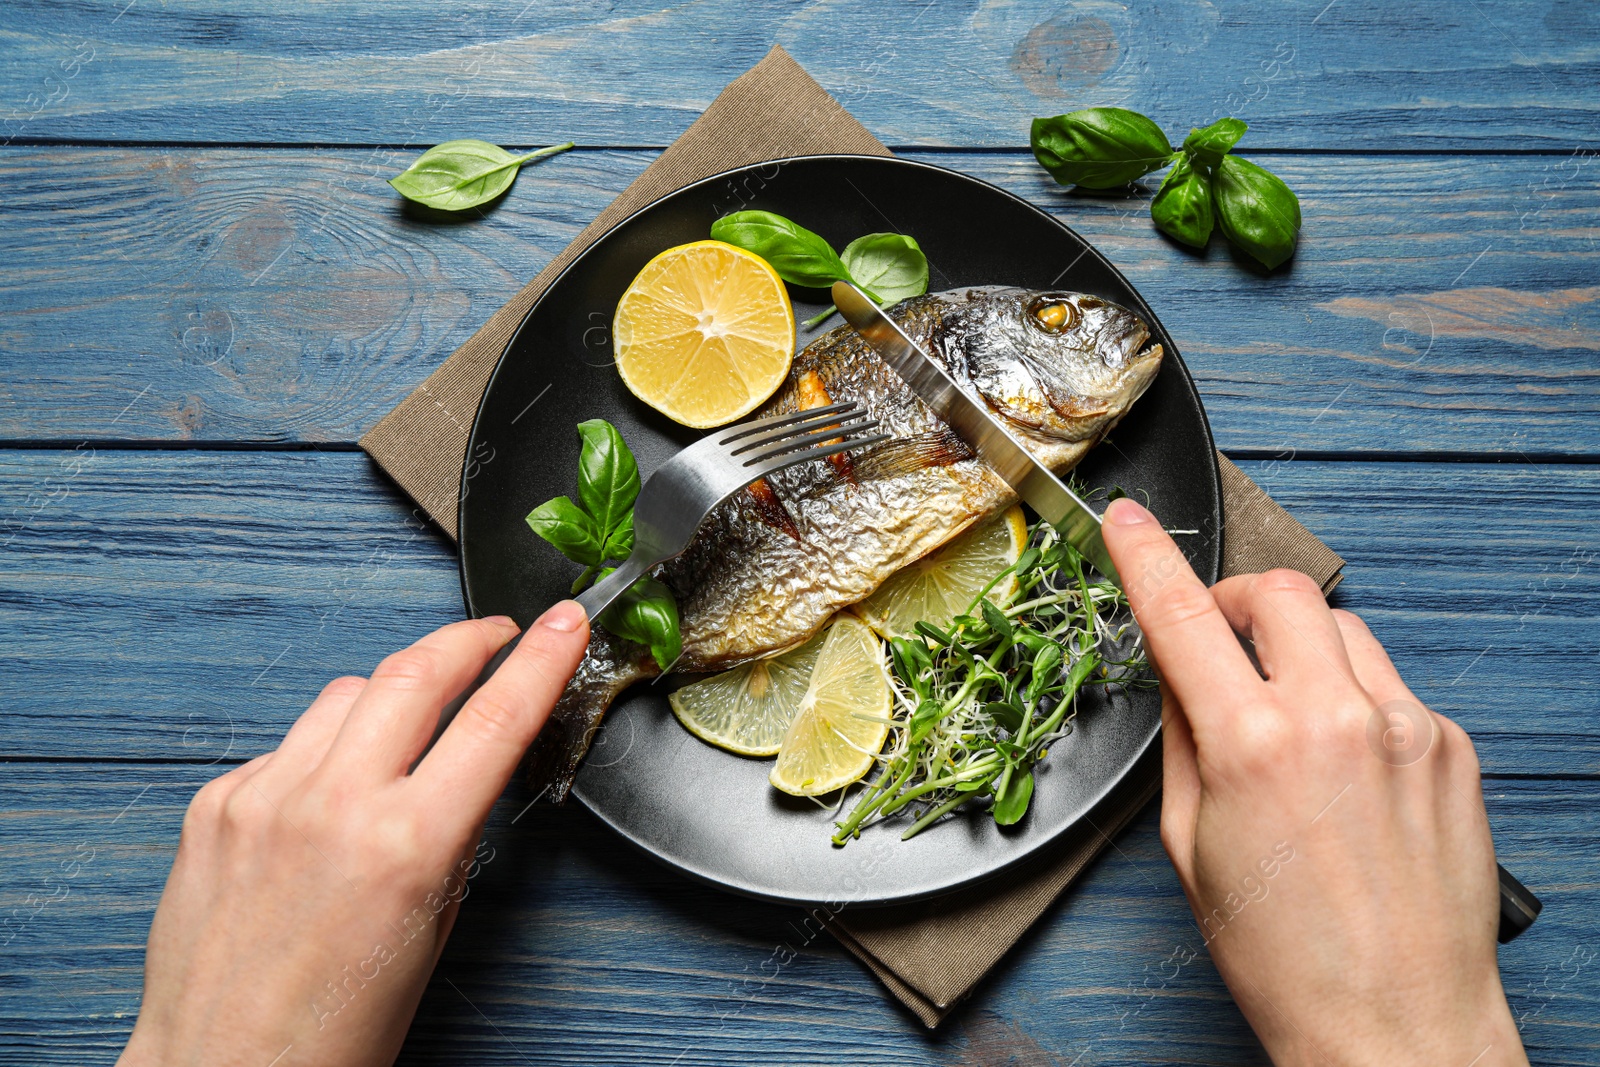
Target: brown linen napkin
<point>931,954</point>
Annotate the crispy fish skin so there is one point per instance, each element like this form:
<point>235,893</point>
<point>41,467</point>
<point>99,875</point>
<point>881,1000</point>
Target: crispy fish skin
<point>1060,369</point>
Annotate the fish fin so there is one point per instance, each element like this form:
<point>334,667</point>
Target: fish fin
<point>609,666</point>
<point>770,510</point>
<point>812,392</point>
<point>904,455</point>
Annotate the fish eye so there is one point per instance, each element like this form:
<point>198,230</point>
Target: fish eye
<point>1053,316</point>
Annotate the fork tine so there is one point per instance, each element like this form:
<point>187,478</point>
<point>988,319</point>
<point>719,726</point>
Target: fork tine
<point>821,452</point>
<point>815,418</point>
<point>755,426</point>
<point>799,442</point>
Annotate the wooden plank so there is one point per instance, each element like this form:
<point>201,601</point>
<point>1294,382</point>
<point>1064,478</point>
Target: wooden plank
<point>577,949</point>
<point>1437,304</point>
<point>188,605</point>
<point>1520,74</point>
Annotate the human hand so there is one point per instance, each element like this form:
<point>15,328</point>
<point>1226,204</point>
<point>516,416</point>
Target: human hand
<point>315,886</point>
<point>1346,888</point>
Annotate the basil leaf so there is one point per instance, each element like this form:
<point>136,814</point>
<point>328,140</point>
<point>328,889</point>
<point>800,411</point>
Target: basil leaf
<point>1256,210</point>
<point>890,266</point>
<point>1182,207</point>
<point>798,255</point>
<point>608,479</point>
<point>619,543</point>
<point>1099,147</point>
<point>569,528</point>
<point>458,175</point>
<point>647,614</point>
<point>1012,802</point>
<point>1207,146</point>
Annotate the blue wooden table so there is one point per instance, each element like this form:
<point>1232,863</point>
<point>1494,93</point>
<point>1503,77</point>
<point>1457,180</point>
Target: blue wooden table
<point>209,293</point>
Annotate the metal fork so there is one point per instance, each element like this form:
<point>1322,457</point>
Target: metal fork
<point>683,491</point>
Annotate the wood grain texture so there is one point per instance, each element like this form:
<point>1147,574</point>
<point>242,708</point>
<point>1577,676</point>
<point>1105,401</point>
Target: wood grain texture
<point>169,613</point>
<point>1350,74</point>
<point>576,949</point>
<point>1437,304</point>
<point>172,605</point>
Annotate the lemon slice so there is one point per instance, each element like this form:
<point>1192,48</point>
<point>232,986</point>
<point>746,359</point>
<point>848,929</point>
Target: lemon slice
<point>942,584</point>
<point>748,710</point>
<point>843,718</point>
<point>705,333</point>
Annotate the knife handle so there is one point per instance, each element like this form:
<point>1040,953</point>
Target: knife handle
<point>1518,907</point>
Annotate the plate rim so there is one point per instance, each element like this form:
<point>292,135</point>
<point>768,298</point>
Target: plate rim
<point>1212,469</point>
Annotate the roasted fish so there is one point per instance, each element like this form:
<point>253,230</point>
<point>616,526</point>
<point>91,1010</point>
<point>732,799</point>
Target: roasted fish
<point>769,567</point>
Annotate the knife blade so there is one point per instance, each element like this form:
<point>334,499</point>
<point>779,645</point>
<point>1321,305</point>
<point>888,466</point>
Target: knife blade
<point>1034,483</point>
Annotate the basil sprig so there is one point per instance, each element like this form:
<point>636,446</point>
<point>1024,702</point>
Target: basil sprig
<point>889,267</point>
<point>599,528</point>
<point>1208,187</point>
<point>463,174</point>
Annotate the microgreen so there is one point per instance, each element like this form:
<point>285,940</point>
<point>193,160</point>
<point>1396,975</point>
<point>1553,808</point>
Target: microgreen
<point>977,706</point>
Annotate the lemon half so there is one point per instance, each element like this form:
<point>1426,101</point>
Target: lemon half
<point>843,719</point>
<point>943,584</point>
<point>705,333</point>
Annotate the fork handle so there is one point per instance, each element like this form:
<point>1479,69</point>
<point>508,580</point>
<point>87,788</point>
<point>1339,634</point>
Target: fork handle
<point>599,596</point>
<point>593,600</point>
<point>1518,906</point>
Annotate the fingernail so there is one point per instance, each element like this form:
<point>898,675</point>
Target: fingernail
<point>1126,511</point>
<point>566,617</point>
<point>505,622</point>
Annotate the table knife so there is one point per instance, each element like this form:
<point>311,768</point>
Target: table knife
<point>1034,482</point>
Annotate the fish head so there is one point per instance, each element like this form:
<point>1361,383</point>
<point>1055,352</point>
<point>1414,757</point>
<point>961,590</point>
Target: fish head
<point>1057,364</point>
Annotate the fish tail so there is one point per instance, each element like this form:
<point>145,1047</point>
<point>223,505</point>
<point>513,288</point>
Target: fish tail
<point>904,455</point>
<point>609,666</point>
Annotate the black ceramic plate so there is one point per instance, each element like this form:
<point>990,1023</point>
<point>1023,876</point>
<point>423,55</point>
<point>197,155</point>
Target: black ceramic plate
<point>705,811</point>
